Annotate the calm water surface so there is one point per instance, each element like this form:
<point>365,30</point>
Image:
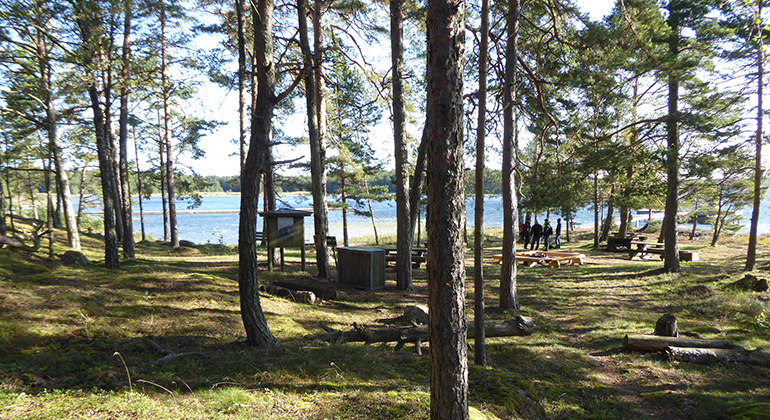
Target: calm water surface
<point>223,228</point>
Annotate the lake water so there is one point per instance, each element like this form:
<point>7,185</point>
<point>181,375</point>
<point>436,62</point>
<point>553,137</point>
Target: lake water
<point>223,228</point>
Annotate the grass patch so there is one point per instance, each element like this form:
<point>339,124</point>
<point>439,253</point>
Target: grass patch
<point>84,342</point>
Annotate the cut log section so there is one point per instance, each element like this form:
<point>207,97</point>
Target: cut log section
<point>711,355</point>
<point>639,342</point>
<point>519,326</point>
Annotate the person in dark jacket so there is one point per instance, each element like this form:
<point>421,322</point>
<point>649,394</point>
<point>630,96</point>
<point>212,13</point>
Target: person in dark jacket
<point>557,238</point>
<point>524,229</point>
<point>536,232</point>
<point>547,232</point>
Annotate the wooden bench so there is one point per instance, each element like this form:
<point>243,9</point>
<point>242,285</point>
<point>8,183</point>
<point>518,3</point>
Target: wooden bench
<point>419,255</point>
<point>614,241</point>
<point>549,258</point>
<point>641,249</point>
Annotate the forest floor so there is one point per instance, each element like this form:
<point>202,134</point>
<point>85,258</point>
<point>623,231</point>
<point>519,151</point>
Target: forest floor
<point>162,338</point>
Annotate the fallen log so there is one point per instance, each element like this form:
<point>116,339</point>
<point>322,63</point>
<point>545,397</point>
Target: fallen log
<point>710,355</point>
<point>18,244</point>
<point>518,326</point>
<point>639,342</point>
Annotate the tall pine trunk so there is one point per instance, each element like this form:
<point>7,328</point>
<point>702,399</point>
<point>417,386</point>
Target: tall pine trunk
<point>257,331</point>
<point>317,148</point>
<point>404,237</point>
<point>446,210</point>
<point>508,294</point>
<point>751,254</point>
<point>671,253</point>
<point>479,355</point>
<point>167,134</point>
<point>125,196</point>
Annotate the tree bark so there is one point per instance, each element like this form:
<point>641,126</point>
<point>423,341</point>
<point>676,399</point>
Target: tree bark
<point>415,193</point>
<point>508,294</point>
<point>87,20</point>
<point>317,148</point>
<point>479,351</point>
<point>751,254</point>
<point>671,254</point>
<point>111,251</point>
<point>257,331</point>
<point>404,235</point>
<point>129,246</point>
<point>106,98</point>
<point>62,181</point>
<point>446,210</point>
<point>607,222</point>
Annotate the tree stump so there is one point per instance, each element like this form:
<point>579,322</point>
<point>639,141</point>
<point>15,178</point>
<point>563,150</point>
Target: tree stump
<point>666,326</point>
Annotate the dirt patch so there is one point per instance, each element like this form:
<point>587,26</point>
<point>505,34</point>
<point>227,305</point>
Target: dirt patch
<point>699,291</point>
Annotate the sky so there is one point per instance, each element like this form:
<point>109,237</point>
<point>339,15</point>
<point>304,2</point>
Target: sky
<point>221,152</point>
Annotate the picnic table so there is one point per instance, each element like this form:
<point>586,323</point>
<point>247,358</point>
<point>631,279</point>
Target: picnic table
<point>549,258</point>
<point>641,249</point>
<point>419,254</point>
<point>614,241</point>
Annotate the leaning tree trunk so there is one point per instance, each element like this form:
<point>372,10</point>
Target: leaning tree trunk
<point>62,181</point>
<point>415,193</point>
<point>317,148</point>
<point>446,210</point>
<point>508,295</point>
<point>111,251</point>
<point>257,331</point>
<point>87,22</point>
<point>607,222</point>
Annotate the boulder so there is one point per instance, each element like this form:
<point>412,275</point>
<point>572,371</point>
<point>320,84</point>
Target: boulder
<point>75,258</point>
<point>305,296</point>
<point>417,314</point>
<point>188,244</point>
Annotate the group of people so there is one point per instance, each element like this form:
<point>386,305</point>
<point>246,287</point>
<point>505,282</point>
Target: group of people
<point>532,235</point>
